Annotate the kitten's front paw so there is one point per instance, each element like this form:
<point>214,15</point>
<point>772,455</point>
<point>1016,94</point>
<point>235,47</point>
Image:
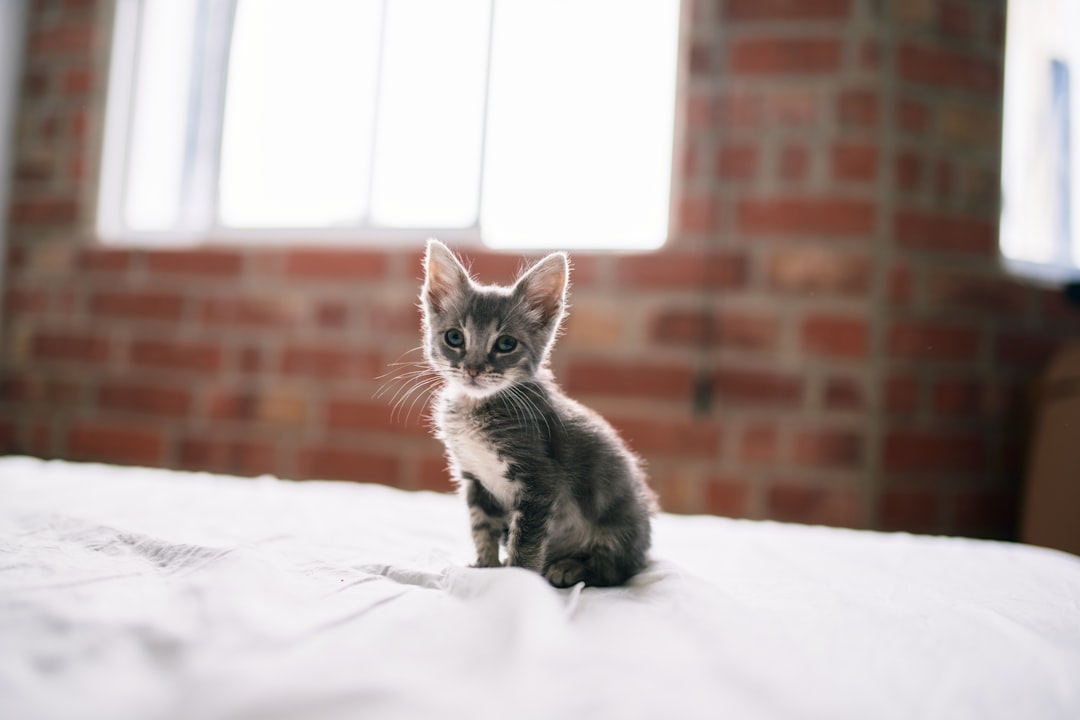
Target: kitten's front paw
<point>486,563</point>
<point>565,573</point>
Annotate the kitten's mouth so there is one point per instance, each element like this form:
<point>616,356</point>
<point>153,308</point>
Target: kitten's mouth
<point>479,386</point>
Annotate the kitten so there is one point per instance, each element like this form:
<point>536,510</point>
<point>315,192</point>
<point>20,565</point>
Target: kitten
<point>542,474</point>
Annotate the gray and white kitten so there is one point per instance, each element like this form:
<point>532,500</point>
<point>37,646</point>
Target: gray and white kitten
<point>542,474</point>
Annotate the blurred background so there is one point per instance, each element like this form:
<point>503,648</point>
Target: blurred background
<point>788,291</point>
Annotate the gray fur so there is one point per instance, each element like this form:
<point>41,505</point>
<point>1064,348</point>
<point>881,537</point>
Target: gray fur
<point>542,474</point>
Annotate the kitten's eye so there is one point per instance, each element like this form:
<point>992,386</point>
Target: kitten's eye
<point>454,338</point>
<point>505,344</point>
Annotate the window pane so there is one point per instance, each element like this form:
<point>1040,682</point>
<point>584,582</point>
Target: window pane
<point>160,116</point>
<point>1040,152</point>
<point>431,113</point>
<point>298,115</point>
<point>581,113</point>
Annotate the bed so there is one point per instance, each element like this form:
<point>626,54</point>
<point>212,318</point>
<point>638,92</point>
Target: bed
<point>140,593</point>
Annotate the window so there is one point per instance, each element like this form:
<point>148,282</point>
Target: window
<point>1040,154</point>
<point>528,123</point>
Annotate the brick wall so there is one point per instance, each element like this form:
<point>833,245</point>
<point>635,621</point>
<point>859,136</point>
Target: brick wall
<point>827,338</point>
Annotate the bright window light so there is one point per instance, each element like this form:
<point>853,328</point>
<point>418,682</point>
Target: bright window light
<point>580,124</point>
<point>160,112</point>
<point>527,123</point>
<point>431,114</point>
<point>1041,139</point>
<point>296,145</point>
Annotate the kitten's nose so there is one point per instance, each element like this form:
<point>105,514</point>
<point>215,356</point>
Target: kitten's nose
<point>472,372</point>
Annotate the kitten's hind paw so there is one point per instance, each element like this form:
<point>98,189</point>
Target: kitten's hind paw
<point>565,573</point>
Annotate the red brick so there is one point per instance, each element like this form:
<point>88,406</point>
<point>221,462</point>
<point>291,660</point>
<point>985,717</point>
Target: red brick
<point>63,39</point>
<point>235,457</point>
<point>835,336</point>
<point>920,451</point>
<point>330,361</point>
<point>78,81</point>
<point>698,214</point>
<point>993,294</point>
<point>215,263</point>
<point>1031,351</point>
<point>947,69</point>
<point>254,311</point>
<point>672,437</point>
<point>815,504</point>
<point>9,433</point>
<point>629,379</point>
<point>816,271</point>
<point>845,394</point>
<point>907,170</point>
<point>41,390</point>
<point>804,216</point>
<point>377,417</point>
<point>858,108</point>
<point>786,10</point>
<point>827,448</point>
<point>854,161</point>
<point>740,109</point>
<point>73,346</point>
<point>956,19</point>
<point>673,270</point>
<point>43,211</point>
<point>263,405</point>
<point>870,54</point>
<point>175,355</point>
<point>794,162</point>
<point>434,475</point>
<point>144,398</point>
<point>727,497</point>
<point>757,56</point>
<point>794,108</point>
<point>757,388</point>
<point>902,394</point>
<point>499,268</point>
<point>731,329</point>
<point>104,260</point>
<point>944,178</point>
<point>26,301</point>
<point>913,116</point>
<point>700,59</point>
<point>700,110</point>
<point>900,284</point>
<point>114,443</point>
<point>909,510</point>
<point>736,161</point>
<point>332,314</point>
<point>138,304</point>
<point>959,397</point>
<point>931,340</point>
<point>332,463</point>
<point>992,513</point>
<point>759,444</point>
<point>335,264</point>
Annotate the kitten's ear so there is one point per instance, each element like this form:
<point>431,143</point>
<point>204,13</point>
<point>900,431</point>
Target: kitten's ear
<point>444,276</point>
<point>544,288</point>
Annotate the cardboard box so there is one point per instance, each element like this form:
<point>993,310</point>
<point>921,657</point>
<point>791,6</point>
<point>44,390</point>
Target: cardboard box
<point>1051,512</point>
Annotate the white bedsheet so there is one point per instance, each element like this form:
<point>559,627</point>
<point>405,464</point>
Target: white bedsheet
<point>135,593</point>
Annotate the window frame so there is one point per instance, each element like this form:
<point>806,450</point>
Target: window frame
<point>200,222</point>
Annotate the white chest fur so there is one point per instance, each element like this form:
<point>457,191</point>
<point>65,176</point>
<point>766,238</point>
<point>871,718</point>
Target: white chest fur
<point>475,455</point>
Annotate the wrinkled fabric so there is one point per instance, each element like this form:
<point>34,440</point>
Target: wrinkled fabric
<point>137,593</point>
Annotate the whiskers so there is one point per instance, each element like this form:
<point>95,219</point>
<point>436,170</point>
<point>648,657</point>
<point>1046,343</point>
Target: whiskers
<point>407,384</point>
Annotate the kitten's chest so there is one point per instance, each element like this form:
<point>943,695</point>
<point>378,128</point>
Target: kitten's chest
<point>476,455</point>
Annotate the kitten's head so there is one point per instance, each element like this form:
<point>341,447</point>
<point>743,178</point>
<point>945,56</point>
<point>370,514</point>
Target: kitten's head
<point>483,338</point>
